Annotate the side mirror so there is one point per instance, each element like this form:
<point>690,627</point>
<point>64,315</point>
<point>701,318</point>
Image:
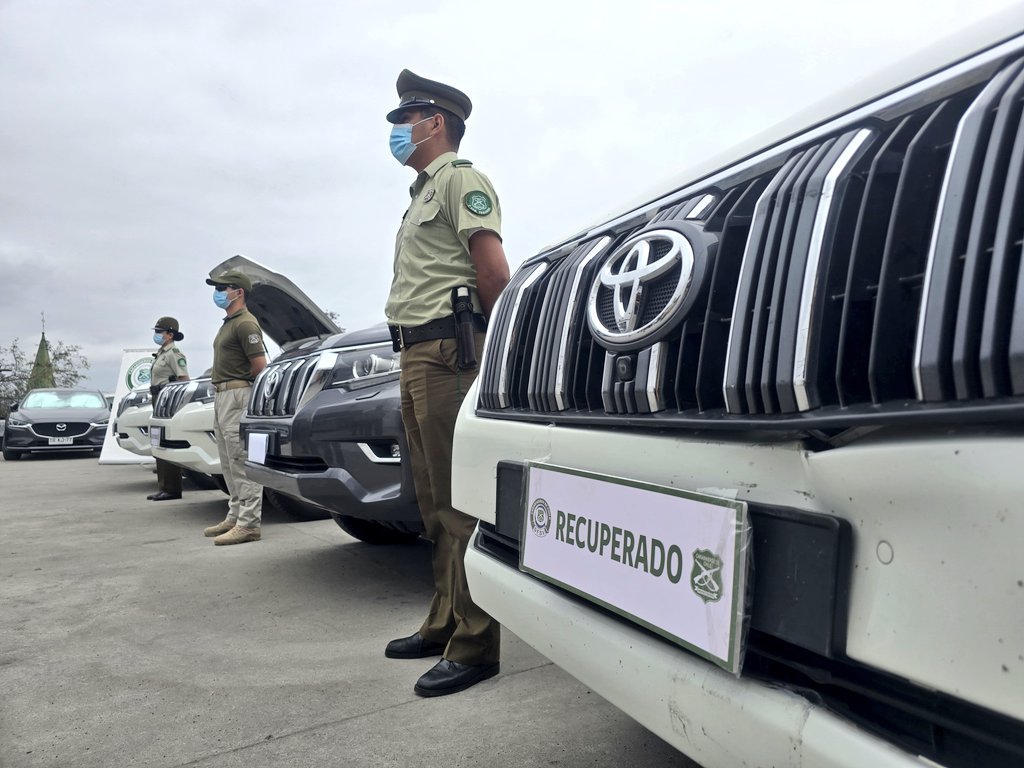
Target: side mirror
<point>14,406</point>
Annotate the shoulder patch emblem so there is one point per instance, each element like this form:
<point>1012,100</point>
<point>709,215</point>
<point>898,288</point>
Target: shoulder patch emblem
<point>478,202</point>
<point>181,362</point>
<point>254,339</point>
<point>429,196</point>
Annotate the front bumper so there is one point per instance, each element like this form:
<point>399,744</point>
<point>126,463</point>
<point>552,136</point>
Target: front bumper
<point>25,438</point>
<point>336,453</point>
<point>132,431</point>
<point>706,713</point>
<point>188,439</point>
<point>934,522</point>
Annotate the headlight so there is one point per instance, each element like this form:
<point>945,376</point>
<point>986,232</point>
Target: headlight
<point>364,367</point>
<point>16,420</point>
<point>133,400</point>
<point>101,422</point>
<point>203,392</point>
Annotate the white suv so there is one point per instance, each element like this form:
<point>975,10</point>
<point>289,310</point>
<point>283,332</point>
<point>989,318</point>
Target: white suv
<point>132,424</point>
<point>747,458</point>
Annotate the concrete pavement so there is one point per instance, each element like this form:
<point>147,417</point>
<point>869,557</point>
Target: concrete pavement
<point>128,639</point>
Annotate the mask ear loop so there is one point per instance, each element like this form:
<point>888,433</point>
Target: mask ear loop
<point>417,143</point>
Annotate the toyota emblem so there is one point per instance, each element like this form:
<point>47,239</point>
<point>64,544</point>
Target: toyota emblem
<point>273,380</point>
<point>646,286</point>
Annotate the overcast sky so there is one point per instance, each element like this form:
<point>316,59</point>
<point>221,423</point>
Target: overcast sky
<point>143,142</point>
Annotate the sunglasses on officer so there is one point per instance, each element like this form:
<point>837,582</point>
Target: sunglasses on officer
<point>225,287</point>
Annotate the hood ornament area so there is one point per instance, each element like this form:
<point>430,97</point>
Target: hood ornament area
<point>647,285</point>
<point>273,381</point>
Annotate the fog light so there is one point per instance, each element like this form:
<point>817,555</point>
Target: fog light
<point>396,452</point>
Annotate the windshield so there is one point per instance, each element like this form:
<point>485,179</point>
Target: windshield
<point>55,398</point>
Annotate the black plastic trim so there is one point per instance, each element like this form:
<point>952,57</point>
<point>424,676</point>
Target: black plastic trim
<point>906,412</point>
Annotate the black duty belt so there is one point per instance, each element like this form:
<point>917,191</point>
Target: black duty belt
<point>403,336</point>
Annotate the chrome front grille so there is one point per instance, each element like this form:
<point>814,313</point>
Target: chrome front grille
<point>170,400</point>
<point>868,273</point>
<point>970,339</point>
<point>279,388</point>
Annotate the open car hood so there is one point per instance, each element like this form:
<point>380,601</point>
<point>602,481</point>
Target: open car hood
<point>285,313</point>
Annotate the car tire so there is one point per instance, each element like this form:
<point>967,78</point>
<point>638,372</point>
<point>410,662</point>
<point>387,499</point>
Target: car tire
<point>297,508</point>
<point>10,454</point>
<point>371,532</point>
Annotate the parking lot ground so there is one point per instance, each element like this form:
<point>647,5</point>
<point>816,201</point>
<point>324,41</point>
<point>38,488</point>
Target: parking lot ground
<point>128,639</point>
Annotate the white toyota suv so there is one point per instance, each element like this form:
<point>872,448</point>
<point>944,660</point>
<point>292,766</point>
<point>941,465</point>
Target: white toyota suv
<point>132,424</point>
<point>748,458</point>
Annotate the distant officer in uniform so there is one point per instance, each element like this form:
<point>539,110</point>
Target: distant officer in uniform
<point>449,269</point>
<point>169,365</point>
<point>238,357</point>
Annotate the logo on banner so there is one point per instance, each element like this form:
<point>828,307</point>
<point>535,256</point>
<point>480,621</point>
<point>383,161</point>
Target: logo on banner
<point>706,576</point>
<point>138,374</point>
<point>540,518</point>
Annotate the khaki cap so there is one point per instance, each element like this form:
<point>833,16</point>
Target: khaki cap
<point>232,277</point>
<point>415,91</point>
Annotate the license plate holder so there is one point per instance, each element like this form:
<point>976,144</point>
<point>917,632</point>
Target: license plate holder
<point>61,441</point>
<point>257,444</point>
<point>155,436</point>
<point>686,582</point>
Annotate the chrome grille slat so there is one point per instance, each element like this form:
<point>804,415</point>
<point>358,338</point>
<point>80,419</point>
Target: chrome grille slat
<point>935,327</point>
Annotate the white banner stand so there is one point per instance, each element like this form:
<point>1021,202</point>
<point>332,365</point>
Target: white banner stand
<point>135,366</point>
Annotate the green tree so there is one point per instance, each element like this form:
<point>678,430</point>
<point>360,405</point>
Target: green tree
<point>67,363</point>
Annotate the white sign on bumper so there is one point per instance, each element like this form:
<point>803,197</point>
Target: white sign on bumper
<point>672,561</point>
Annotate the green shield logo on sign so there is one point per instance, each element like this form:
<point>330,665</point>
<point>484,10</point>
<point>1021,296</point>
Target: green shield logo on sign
<point>138,374</point>
<point>540,518</point>
<point>706,576</point>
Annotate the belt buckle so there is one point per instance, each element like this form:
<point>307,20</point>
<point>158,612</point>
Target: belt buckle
<point>401,338</point>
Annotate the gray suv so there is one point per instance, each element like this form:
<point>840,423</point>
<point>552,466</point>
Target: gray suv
<point>332,425</point>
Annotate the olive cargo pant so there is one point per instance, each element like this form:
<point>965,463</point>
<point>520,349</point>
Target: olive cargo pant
<point>168,476</point>
<point>245,508</point>
<point>432,391</point>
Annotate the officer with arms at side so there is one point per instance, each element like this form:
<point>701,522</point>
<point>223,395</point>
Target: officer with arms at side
<point>238,357</point>
<point>449,269</point>
<point>168,365</point>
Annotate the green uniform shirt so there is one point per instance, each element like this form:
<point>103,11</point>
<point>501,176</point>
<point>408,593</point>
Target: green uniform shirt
<point>168,362</point>
<point>239,339</point>
<point>451,200</point>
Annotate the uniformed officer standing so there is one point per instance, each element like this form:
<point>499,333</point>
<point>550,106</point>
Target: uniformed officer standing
<point>238,356</point>
<point>169,365</point>
<point>448,250</point>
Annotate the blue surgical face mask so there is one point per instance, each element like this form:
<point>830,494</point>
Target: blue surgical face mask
<point>220,298</point>
<point>158,338</point>
<point>402,145</point>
